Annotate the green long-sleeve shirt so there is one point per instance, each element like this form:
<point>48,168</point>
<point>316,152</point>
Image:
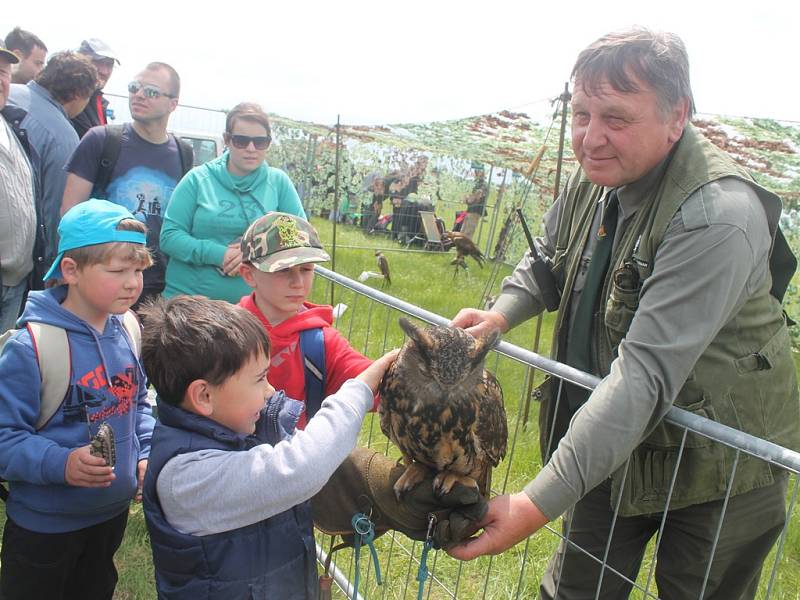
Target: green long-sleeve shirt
<point>210,208</point>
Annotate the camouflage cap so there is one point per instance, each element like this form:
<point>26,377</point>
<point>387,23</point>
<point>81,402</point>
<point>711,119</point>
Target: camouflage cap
<point>279,240</point>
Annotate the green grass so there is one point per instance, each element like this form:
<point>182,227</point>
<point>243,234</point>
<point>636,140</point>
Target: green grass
<point>427,280</point>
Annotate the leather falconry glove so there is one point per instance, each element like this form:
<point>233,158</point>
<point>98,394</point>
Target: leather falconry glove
<point>364,483</point>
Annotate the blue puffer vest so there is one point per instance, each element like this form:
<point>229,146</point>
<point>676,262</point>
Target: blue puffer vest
<point>274,558</point>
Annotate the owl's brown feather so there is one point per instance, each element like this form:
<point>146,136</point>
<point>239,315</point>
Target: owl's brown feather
<point>442,409</point>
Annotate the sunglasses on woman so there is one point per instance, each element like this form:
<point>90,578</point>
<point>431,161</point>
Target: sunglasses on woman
<point>149,91</point>
<point>243,141</point>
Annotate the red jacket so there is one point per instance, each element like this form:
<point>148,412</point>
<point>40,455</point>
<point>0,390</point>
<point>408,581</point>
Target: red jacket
<point>342,362</point>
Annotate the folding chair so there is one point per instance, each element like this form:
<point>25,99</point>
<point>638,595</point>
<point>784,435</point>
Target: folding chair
<point>432,237</point>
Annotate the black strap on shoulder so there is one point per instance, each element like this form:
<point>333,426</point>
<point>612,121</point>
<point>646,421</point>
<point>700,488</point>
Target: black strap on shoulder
<point>108,160</point>
<point>782,265</point>
<point>14,115</point>
<point>186,154</point>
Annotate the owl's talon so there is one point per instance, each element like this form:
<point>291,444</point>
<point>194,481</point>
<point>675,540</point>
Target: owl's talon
<point>413,474</point>
<point>443,482</point>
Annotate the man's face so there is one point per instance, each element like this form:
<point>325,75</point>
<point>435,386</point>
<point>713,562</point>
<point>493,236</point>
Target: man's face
<point>145,109</point>
<point>104,66</point>
<point>5,81</point>
<point>617,136</point>
<point>29,66</point>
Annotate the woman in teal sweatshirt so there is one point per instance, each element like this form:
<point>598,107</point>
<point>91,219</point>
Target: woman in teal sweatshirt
<point>213,205</point>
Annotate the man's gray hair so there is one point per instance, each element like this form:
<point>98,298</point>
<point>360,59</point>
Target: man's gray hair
<point>656,58</point>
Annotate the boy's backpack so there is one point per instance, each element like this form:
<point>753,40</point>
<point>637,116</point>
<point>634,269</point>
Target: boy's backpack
<point>53,355</point>
<point>110,154</point>
<point>312,346</point>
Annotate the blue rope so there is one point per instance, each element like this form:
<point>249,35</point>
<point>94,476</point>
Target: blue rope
<point>364,530</point>
<point>422,572</point>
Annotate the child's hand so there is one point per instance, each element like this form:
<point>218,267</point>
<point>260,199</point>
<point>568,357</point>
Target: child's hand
<point>85,470</point>
<point>373,374</point>
<point>141,469</point>
<point>232,259</point>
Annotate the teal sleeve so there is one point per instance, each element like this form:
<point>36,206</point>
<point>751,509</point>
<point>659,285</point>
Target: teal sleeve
<point>288,200</point>
<point>176,232</point>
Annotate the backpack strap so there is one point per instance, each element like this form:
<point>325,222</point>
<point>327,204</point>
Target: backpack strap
<point>52,353</point>
<point>312,347</point>
<point>108,159</point>
<point>185,153</point>
<point>131,324</point>
<point>51,345</point>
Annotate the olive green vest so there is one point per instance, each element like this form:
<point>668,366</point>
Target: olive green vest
<point>745,379</point>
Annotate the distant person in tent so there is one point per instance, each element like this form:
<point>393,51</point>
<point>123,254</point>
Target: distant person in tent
<point>476,201</point>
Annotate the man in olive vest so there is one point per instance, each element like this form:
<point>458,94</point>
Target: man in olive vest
<point>660,248</point>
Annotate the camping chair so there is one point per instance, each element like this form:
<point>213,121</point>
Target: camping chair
<point>432,237</point>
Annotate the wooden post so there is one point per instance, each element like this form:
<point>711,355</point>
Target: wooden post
<point>493,223</point>
<point>335,200</point>
<point>565,98</point>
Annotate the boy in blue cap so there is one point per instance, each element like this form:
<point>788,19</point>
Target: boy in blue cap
<point>67,507</point>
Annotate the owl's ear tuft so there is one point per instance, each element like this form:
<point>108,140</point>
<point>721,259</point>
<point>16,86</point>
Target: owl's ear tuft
<point>421,337</point>
<point>484,344</point>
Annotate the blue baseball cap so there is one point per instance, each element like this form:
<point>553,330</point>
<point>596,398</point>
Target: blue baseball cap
<point>89,223</point>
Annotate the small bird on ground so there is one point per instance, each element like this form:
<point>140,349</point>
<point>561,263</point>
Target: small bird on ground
<point>443,410</point>
<point>464,247</point>
<point>383,265</point>
<point>459,263</point>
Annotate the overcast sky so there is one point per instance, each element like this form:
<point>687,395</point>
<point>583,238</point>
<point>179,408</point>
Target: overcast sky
<point>411,60</point>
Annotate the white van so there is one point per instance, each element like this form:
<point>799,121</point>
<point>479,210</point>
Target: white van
<point>206,146</point>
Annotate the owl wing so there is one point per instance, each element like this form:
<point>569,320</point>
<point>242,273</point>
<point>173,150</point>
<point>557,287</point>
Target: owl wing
<point>492,428</point>
<point>388,390</point>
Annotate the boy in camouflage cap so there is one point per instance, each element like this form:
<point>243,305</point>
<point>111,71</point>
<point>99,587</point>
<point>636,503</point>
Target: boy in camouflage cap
<point>278,255</point>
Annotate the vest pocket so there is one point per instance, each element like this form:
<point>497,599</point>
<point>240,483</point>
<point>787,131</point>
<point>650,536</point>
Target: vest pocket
<point>671,436</point>
<point>701,476</point>
<point>620,308</point>
<point>701,473</point>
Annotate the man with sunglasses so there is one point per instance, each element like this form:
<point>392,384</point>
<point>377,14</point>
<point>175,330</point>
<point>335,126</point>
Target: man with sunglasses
<point>136,165</point>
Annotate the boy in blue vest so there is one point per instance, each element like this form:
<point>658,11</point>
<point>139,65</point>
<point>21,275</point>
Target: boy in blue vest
<point>227,489</point>
<point>278,255</point>
<point>67,508</point>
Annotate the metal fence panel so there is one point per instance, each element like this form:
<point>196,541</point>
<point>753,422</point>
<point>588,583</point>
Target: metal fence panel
<point>370,323</point>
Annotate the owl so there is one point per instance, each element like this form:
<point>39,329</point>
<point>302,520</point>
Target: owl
<point>443,410</point>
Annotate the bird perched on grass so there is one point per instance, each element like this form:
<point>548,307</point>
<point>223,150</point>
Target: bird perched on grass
<point>459,263</point>
<point>383,265</point>
<point>443,410</point>
<point>464,247</point>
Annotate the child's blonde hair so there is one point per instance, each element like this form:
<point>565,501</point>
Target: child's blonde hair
<point>87,256</point>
